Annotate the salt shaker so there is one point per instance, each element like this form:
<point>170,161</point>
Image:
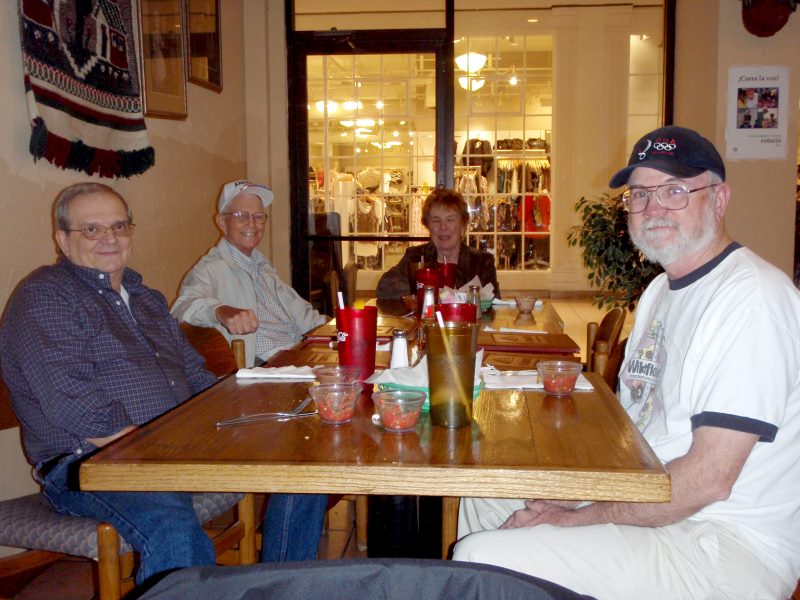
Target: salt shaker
<point>399,349</point>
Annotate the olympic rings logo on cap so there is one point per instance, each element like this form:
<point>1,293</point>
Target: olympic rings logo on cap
<point>665,146</point>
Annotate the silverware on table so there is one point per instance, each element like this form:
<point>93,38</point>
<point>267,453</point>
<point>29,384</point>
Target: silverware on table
<point>268,416</point>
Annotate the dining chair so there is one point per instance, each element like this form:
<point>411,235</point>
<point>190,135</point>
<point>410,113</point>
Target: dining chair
<point>30,523</point>
<point>334,287</point>
<point>604,337</point>
<point>221,358</point>
<point>610,364</point>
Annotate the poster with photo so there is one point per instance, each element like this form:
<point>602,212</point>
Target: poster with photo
<point>757,112</point>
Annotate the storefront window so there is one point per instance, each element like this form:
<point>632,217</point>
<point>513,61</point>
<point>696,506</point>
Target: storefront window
<point>503,125</point>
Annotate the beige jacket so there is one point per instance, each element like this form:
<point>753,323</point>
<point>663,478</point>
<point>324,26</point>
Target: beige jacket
<point>217,280</point>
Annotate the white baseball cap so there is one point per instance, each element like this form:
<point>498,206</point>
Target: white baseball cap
<point>241,186</point>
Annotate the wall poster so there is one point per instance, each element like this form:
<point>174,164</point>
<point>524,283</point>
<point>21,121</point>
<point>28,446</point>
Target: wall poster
<point>756,125</point>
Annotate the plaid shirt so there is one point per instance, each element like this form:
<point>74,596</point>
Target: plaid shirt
<point>80,364</point>
<point>276,328</point>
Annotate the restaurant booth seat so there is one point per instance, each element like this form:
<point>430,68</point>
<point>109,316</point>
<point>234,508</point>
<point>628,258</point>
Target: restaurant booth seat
<point>399,579</point>
<point>29,522</point>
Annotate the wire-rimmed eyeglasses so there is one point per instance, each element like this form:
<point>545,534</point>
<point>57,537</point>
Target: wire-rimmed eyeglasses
<point>242,216</point>
<point>671,196</point>
<point>94,231</point>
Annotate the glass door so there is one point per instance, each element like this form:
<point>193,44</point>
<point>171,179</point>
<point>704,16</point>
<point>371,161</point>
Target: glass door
<point>365,152</point>
<point>371,134</point>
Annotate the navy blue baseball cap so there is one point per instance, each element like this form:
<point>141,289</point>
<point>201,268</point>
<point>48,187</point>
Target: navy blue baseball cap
<point>673,150</point>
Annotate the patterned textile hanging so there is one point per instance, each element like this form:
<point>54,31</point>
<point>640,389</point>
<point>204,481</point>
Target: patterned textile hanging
<point>83,87</point>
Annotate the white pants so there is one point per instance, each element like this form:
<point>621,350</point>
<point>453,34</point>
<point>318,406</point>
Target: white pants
<point>689,559</point>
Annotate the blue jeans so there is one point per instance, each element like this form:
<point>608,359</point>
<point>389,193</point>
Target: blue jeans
<point>292,527</point>
<point>161,526</point>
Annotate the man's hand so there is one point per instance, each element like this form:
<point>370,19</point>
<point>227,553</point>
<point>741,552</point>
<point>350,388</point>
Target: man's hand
<point>237,321</point>
<point>538,512</point>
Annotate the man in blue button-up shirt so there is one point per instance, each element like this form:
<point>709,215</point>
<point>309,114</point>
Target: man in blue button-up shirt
<point>89,354</point>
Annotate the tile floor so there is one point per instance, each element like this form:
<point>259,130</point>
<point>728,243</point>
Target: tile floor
<point>72,579</point>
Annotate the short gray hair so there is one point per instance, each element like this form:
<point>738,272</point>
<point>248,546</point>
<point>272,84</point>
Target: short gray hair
<point>69,193</point>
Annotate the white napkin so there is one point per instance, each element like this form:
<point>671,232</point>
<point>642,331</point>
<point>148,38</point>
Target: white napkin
<point>500,380</point>
<point>448,295</point>
<point>416,376</point>
<point>288,372</point>
<point>501,302</point>
<point>491,329</point>
<point>387,347</point>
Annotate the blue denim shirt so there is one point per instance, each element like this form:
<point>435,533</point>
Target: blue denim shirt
<point>80,364</point>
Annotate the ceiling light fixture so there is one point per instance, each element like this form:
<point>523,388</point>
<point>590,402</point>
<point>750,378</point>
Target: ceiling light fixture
<point>332,106</point>
<point>513,79</point>
<point>533,20</point>
<point>471,83</point>
<point>352,105</point>
<point>471,62</point>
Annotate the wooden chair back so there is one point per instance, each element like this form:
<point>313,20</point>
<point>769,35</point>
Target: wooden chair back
<point>606,335</point>
<point>8,419</point>
<point>334,287</point>
<point>221,358</point>
<point>609,364</point>
<point>350,280</point>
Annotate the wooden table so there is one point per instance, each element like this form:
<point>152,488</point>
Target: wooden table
<point>520,445</point>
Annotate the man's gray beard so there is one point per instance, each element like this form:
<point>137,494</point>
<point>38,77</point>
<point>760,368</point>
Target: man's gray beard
<point>687,243</point>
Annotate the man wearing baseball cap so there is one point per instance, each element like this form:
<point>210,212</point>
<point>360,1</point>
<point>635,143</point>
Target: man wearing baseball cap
<point>711,378</point>
<point>235,289</point>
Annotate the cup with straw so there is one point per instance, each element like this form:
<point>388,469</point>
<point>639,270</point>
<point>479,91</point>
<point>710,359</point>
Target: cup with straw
<point>451,371</point>
<point>356,333</point>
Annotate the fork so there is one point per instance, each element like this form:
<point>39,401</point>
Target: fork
<point>268,416</point>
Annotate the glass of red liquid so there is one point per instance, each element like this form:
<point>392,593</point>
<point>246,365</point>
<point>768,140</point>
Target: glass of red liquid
<point>458,312</point>
<point>427,276</point>
<point>356,332</point>
<point>448,274</point>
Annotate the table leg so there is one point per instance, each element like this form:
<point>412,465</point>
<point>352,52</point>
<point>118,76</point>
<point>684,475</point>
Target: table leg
<point>449,523</point>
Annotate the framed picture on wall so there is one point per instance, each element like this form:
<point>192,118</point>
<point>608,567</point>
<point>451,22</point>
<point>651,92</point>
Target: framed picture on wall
<point>205,51</point>
<point>162,25</point>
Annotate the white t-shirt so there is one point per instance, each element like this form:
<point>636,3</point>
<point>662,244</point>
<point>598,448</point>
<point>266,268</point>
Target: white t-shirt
<point>720,347</point>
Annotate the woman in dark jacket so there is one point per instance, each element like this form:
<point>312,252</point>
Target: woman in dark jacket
<point>446,216</point>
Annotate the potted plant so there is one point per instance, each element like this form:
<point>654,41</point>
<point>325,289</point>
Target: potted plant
<point>616,267</point>
<point>765,17</point>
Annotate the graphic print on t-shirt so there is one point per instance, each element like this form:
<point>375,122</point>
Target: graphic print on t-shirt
<point>641,375</point>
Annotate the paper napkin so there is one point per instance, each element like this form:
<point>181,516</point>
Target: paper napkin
<point>288,372</point>
<point>503,380</point>
<point>512,330</point>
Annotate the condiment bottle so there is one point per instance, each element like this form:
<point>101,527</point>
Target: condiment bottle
<point>399,349</point>
<point>474,297</point>
<point>428,303</point>
<point>427,315</point>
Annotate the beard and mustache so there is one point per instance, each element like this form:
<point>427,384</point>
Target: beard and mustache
<point>689,239</point>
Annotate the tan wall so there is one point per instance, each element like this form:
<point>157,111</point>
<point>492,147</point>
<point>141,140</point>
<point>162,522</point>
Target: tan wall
<point>172,202</point>
<point>710,40</point>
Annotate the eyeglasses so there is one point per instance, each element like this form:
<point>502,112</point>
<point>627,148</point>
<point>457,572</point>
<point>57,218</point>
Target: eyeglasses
<point>93,231</point>
<point>242,216</point>
<point>671,196</point>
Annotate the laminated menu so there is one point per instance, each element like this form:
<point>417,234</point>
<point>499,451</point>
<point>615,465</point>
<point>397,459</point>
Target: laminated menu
<point>538,343</point>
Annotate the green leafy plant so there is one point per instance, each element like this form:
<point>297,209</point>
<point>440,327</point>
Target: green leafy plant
<point>616,267</point>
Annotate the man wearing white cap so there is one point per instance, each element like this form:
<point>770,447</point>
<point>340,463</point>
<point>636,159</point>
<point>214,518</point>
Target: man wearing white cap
<point>711,378</point>
<point>236,289</point>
